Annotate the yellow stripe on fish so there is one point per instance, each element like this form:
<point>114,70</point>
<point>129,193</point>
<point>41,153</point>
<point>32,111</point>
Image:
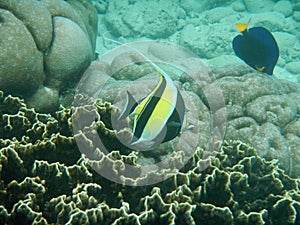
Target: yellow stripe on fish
<point>140,107</point>
<point>161,110</point>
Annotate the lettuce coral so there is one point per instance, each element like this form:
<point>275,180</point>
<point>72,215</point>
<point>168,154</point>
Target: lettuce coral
<point>45,180</point>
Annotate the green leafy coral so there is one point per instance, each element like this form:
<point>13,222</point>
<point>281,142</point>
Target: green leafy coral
<point>45,180</point>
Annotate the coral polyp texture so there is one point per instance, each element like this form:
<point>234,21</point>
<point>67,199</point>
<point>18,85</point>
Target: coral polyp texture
<point>45,180</point>
<point>45,49</point>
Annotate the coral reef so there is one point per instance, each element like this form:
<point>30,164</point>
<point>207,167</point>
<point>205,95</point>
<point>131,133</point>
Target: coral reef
<point>45,50</point>
<point>205,27</point>
<point>204,41</point>
<point>45,180</point>
<point>262,6</point>
<point>128,19</point>
<point>262,111</point>
<point>193,7</point>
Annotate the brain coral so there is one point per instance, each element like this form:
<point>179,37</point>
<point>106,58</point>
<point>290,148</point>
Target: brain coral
<point>45,180</point>
<point>46,49</point>
<point>263,111</point>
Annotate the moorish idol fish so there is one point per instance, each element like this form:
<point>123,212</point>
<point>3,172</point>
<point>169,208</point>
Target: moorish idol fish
<point>257,47</point>
<point>160,116</point>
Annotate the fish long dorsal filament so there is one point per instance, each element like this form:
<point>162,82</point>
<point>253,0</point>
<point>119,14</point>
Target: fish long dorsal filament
<point>158,68</point>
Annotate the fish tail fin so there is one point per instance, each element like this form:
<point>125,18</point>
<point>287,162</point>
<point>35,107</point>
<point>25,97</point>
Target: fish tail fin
<point>129,105</point>
<point>243,26</point>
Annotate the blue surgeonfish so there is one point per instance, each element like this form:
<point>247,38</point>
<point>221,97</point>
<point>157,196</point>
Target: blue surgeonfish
<point>160,116</point>
<point>257,47</point>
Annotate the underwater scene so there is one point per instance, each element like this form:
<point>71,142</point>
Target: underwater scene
<point>150,112</point>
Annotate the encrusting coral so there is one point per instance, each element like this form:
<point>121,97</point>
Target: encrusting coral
<point>45,180</point>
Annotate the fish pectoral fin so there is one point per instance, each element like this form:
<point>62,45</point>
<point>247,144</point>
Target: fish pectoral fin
<point>129,105</point>
<point>260,69</point>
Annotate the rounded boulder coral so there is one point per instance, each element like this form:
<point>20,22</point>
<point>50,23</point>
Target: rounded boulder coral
<point>48,47</point>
